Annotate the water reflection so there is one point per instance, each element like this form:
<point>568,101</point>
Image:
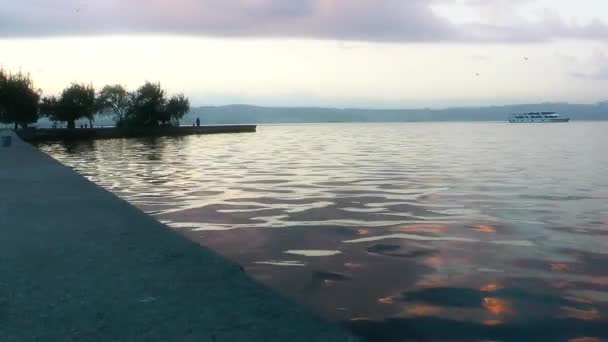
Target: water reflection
<point>419,232</point>
<point>313,253</point>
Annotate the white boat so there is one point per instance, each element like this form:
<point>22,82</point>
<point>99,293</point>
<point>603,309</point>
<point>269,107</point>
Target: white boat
<point>537,117</point>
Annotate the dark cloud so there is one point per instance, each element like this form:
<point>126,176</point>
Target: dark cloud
<point>368,20</point>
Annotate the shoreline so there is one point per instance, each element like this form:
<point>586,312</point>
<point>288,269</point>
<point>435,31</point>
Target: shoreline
<point>78,263</point>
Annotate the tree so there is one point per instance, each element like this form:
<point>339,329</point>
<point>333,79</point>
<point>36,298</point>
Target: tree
<point>3,118</point>
<point>18,99</point>
<point>177,107</point>
<point>116,100</point>
<point>76,101</point>
<point>148,106</point>
<point>49,107</point>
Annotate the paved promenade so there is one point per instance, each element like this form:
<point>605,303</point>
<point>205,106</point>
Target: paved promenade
<point>79,264</point>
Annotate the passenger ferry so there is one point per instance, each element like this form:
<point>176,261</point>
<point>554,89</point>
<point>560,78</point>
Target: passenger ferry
<point>537,117</point>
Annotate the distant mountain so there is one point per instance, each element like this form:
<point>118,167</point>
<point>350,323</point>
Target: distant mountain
<point>245,114</point>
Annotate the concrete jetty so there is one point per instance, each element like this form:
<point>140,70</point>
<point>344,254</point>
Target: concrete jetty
<point>79,264</point>
<point>63,134</point>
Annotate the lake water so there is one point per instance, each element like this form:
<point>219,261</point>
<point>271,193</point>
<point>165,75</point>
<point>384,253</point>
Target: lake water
<point>402,232</point>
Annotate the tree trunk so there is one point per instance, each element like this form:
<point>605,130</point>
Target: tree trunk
<point>71,124</point>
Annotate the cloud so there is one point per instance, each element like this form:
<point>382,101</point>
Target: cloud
<point>411,20</point>
<point>593,68</point>
<point>599,75</point>
<point>365,20</point>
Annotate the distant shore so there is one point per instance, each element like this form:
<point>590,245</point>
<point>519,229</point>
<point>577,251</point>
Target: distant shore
<point>60,134</point>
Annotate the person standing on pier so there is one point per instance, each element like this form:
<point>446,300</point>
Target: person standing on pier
<point>198,122</point>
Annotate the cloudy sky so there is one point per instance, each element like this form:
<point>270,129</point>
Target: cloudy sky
<point>364,53</point>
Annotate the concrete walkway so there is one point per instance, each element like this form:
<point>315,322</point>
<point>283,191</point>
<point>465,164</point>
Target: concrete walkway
<point>79,264</point>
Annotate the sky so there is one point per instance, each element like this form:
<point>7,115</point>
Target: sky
<point>339,53</point>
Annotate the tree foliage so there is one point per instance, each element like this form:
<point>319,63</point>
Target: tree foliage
<point>3,78</point>
<point>177,107</point>
<point>114,100</point>
<point>49,106</point>
<point>18,99</point>
<point>76,101</point>
<point>149,107</point>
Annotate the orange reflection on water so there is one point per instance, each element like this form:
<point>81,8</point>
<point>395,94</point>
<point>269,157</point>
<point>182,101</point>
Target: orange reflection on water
<point>600,281</point>
<point>484,229</point>
<point>492,322</point>
<point>363,231</point>
<point>585,315</point>
<point>434,261</point>
<point>425,310</point>
<point>424,228</point>
<point>560,267</point>
<point>492,287</point>
<point>497,307</point>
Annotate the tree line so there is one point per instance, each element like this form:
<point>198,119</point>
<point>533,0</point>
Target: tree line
<point>21,104</point>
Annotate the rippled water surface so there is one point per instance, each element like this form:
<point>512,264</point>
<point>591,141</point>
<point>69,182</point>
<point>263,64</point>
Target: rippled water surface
<point>404,232</point>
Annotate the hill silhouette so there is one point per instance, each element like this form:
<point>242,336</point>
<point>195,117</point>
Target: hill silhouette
<point>247,114</point>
